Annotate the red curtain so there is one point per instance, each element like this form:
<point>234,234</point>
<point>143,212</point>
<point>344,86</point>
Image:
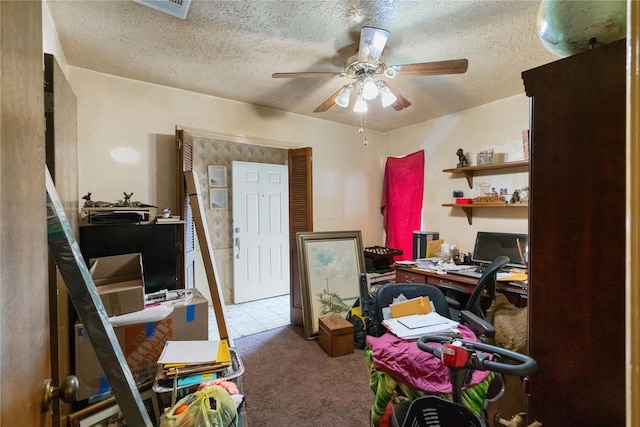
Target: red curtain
<point>401,205</point>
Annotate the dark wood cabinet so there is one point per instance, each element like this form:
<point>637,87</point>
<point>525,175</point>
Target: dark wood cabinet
<point>577,238</point>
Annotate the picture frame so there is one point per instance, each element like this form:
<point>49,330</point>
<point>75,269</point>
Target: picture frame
<point>331,263</point>
<point>107,412</point>
<point>217,176</point>
<point>218,198</point>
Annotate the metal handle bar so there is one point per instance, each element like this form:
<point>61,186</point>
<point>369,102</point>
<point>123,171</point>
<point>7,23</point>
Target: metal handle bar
<point>525,366</point>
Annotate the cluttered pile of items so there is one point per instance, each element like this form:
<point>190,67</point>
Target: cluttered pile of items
<point>409,319</point>
<point>164,337</point>
<point>204,371</point>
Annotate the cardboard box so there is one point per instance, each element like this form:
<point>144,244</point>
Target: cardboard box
<point>120,282</point>
<point>335,335</point>
<point>141,344</point>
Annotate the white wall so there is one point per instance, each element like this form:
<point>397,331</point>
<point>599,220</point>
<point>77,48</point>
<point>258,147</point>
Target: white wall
<point>497,125</point>
<point>347,176</point>
<point>115,112</point>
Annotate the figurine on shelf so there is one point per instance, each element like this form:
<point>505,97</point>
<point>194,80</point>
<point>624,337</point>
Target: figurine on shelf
<point>88,203</point>
<point>462,159</point>
<point>516,197</point>
<point>127,198</point>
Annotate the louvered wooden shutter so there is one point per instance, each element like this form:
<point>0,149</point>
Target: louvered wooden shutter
<point>186,245</point>
<point>300,219</point>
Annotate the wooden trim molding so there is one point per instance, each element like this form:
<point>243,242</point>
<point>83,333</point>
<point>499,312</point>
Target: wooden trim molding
<point>633,216</point>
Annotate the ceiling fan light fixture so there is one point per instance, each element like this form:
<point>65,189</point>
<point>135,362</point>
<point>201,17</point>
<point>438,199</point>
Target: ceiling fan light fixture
<point>386,96</point>
<point>367,67</point>
<point>343,98</point>
<point>360,106</point>
<point>369,88</point>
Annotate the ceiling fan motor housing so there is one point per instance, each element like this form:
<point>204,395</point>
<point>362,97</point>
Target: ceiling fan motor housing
<point>356,69</point>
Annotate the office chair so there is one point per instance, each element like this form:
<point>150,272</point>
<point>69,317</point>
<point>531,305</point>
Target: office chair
<point>480,300</point>
<point>487,282</point>
<point>385,294</point>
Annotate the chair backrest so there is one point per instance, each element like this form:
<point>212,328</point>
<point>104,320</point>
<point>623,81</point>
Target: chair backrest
<point>385,294</point>
<point>487,282</point>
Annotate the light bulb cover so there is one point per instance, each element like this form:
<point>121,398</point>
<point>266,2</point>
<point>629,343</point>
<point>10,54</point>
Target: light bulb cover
<point>369,88</point>
<point>342,99</point>
<point>360,106</point>
<point>386,96</point>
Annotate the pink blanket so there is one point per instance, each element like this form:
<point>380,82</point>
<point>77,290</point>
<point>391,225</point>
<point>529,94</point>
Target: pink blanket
<point>401,204</point>
<point>406,363</point>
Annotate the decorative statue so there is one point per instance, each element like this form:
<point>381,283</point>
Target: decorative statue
<point>127,198</point>
<point>516,197</point>
<point>462,159</point>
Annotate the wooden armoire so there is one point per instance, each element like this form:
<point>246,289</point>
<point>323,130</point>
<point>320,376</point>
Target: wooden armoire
<point>577,238</point>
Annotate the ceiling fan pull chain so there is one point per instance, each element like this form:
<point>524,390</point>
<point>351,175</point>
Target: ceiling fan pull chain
<point>363,116</point>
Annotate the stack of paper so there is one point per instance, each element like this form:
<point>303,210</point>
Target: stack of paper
<point>192,360</point>
<point>416,325</point>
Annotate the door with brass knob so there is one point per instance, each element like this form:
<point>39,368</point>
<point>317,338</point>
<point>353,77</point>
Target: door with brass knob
<point>25,298</point>
<point>67,391</point>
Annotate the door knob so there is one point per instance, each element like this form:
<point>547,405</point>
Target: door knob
<point>67,391</point>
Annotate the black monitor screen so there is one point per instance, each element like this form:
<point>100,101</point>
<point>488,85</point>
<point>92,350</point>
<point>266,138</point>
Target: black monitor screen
<point>490,245</point>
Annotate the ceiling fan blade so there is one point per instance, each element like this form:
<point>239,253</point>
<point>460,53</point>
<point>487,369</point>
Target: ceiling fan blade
<point>372,41</point>
<point>328,103</point>
<point>314,75</point>
<point>453,66</point>
<point>401,103</point>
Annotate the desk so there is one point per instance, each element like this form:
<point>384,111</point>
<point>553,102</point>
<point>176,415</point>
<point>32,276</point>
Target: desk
<point>459,284</point>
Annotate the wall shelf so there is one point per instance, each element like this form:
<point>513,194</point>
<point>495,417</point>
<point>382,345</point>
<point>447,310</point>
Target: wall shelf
<point>468,209</point>
<point>468,171</point>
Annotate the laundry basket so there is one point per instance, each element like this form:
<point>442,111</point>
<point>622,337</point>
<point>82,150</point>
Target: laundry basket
<point>433,411</point>
<point>169,394</point>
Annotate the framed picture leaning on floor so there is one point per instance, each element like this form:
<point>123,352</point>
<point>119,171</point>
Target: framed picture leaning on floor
<point>330,266</point>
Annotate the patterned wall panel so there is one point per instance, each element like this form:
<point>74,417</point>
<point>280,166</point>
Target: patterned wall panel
<point>222,153</point>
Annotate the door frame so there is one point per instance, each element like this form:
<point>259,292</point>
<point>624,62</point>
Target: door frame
<point>300,205</point>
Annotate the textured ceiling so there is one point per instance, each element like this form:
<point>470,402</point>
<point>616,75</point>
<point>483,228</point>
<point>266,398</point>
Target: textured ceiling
<point>229,49</point>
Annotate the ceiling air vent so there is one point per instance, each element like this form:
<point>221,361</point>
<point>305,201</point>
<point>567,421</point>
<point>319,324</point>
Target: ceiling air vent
<point>177,8</point>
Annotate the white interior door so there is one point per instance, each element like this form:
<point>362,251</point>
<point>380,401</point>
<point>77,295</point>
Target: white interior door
<point>260,231</point>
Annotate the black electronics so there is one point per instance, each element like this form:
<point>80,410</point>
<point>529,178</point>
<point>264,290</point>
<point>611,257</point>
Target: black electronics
<point>490,245</point>
<point>157,243</point>
<point>420,239</point>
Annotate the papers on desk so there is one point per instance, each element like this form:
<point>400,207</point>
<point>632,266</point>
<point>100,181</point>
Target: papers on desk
<point>416,325</point>
<point>511,277</point>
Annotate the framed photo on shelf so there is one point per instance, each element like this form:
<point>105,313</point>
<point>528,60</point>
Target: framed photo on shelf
<point>107,412</point>
<point>217,176</point>
<point>217,198</point>
<point>330,267</point>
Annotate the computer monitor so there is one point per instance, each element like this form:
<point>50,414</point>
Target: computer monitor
<point>490,245</point>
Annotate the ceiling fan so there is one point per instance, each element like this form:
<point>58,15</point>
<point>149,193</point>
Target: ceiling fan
<point>367,69</point>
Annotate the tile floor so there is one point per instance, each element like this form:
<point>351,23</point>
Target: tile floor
<point>252,317</point>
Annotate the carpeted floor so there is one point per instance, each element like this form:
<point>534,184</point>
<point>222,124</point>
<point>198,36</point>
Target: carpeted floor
<point>291,381</point>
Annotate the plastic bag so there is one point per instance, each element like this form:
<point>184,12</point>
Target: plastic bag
<point>210,407</point>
